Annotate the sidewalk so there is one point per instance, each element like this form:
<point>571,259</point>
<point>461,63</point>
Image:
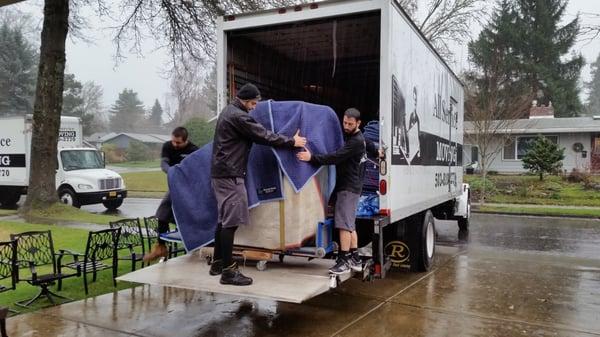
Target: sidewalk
<point>535,206</point>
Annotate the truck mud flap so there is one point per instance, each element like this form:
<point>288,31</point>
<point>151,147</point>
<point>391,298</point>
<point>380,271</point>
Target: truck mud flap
<point>295,280</point>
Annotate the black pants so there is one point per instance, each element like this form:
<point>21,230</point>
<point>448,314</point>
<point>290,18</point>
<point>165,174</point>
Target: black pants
<point>164,214</point>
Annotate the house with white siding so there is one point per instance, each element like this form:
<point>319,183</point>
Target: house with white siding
<point>579,136</point>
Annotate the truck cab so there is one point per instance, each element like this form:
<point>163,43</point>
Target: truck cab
<point>81,176</point>
<point>82,179</point>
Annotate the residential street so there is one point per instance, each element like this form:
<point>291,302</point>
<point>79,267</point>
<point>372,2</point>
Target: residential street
<point>512,276</point>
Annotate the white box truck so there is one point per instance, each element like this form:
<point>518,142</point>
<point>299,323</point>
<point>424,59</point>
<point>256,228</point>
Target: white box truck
<point>366,54</point>
<point>81,176</point>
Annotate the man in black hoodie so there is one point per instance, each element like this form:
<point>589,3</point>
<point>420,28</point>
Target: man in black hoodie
<point>349,182</point>
<point>235,133</point>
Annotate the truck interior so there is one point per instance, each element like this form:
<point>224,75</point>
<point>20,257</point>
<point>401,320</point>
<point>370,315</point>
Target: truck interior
<point>333,62</point>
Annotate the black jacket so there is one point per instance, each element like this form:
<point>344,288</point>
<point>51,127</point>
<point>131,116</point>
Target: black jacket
<point>235,132</point>
<point>347,161</point>
<point>171,156</point>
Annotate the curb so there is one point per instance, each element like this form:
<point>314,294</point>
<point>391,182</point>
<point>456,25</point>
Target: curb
<point>538,215</point>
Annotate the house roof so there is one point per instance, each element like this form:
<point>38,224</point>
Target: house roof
<point>544,125</point>
<point>144,138</point>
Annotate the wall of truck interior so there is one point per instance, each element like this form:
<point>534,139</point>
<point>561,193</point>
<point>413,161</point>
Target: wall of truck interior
<point>332,61</point>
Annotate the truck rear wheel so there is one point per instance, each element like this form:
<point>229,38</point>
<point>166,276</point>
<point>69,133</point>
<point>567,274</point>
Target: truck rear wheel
<point>9,198</point>
<point>463,222</point>
<point>112,205</point>
<point>68,197</point>
<point>422,242</point>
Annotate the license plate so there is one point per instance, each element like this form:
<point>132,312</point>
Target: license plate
<point>112,194</point>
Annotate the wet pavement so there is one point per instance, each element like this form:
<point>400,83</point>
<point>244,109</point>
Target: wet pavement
<point>512,276</point>
<point>131,208</point>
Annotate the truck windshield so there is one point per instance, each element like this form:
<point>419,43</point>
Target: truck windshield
<point>81,160</point>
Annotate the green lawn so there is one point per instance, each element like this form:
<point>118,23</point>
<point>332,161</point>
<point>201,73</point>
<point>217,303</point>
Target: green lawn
<point>139,164</point>
<point>64,238</point>
<point>152,184</point>
<point>5,212</point>
<point>525,189</point>
<point>59,212</point>
<point>547,211</point>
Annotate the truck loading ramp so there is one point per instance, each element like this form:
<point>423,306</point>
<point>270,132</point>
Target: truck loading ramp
<point>295,280</point>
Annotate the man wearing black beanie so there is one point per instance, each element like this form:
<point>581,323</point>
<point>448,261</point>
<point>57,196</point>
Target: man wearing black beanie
<point>235,133</point>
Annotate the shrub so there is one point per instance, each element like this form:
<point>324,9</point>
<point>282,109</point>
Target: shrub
<point>544,157</point>
<point>112,154</point>
<point>138,151</point>
<point>201,131</point>
<point>477,185</point>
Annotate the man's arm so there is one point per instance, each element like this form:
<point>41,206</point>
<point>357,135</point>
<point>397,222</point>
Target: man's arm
<point>372,148</point>
<point>165,163</point>
<point>350,148</point>
<point>249,127</point>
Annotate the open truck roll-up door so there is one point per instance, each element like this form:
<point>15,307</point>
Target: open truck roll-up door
<point>297,280</point>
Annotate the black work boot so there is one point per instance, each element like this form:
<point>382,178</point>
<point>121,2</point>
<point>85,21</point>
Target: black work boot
<point>231,275</point>
<point>216,267</point>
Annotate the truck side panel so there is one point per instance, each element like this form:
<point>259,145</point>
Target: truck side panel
<point>422,122</point>
<point>13,153</point>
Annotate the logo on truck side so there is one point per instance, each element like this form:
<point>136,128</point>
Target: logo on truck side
<point>398,252</point>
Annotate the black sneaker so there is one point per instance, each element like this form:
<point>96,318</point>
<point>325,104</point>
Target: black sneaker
<point>342,266</point>
<point>231,275</point>
<point>355,263</point>
<point>216,268</point>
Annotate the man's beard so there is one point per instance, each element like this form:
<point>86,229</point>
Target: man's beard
<point>350,132</point>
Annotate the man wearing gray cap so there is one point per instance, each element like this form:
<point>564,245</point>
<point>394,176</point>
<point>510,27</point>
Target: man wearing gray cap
<point>235,133</point>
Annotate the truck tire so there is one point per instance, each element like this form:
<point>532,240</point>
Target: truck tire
<point>68,197</point>
<point>422,242</point>
<point>112,205</point>
<point>9,198</point>
<point>463,222</point>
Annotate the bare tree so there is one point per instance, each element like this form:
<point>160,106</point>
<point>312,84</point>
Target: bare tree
<point>493,105</point>
<point>447,21</point>
<point>590,30</point>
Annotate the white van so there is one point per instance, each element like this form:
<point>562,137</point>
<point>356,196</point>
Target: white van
<point>81,178</point>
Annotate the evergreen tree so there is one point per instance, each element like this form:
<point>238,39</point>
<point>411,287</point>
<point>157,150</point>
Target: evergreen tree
<point>544,45</point>
<point>18,69</point>
<point>72,97</point>
<point>593,86</point>
<point>544,157</point>
<point>156,114</point>
<point>127,112</point>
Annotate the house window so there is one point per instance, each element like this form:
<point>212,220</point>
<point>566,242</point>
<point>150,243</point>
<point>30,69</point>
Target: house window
<point>474,154</point>
<point>517,147</point>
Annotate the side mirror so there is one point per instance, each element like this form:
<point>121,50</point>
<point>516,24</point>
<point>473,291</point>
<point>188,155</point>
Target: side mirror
<point>103,159</point>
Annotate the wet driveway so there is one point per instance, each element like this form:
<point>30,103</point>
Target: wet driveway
<point>512,276</point>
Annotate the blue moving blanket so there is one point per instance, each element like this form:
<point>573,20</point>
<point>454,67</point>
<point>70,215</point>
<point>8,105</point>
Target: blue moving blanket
<point>194,203</point>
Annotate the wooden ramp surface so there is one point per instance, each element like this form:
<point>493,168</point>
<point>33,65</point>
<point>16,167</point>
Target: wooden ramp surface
<point>295,280</point>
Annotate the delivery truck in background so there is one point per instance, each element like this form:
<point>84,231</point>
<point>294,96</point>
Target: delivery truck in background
<point>81,176</point>
<point>366,54</point>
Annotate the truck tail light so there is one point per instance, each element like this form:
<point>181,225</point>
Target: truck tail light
<point>229,17</point>
<point>385,212</point>
<point>297,8</point>
<point>382,187</point>
<point>282,11</point>
<point>314,6</point>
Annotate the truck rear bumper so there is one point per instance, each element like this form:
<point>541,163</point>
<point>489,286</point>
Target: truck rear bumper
<point>100,197</point>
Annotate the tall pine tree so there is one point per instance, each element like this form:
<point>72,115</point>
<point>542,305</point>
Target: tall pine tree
<point>127,113</point>
<point>18,69</point>
<point>156,114</point>
<point>545,45</point>
<point>593,86</point>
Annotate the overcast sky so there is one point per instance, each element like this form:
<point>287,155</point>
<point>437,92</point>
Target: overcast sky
<point>95,61</point>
